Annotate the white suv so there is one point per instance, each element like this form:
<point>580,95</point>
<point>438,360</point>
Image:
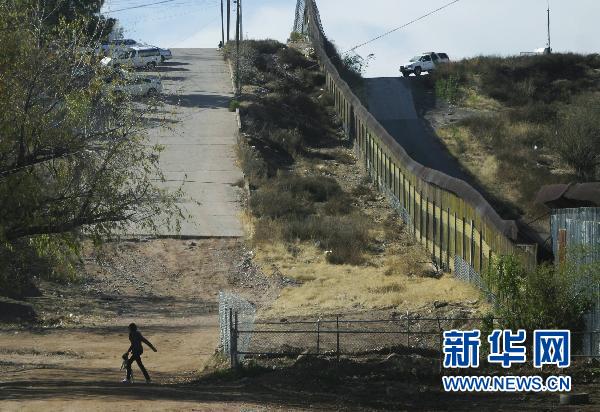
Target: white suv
<point>136,57</point>
<point>426,62</point>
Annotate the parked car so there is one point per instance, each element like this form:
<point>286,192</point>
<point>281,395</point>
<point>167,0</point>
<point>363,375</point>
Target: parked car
<point>165,54</point>
<point>118,44</point>
<point>133,84</point>
<point>426,62</point>
<point>135,57</point>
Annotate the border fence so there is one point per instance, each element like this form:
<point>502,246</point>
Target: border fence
<point>447,215</point>
<point>363,339</point>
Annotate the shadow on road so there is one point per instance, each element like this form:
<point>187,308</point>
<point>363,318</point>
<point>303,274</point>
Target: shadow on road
<point>202,101</point>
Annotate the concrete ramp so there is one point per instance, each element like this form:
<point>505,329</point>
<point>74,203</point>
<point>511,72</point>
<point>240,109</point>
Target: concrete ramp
<point>199,139</point>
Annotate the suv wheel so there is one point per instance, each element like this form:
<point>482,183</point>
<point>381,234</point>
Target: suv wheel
<point>405,73</point>
<point>418,71</point>
<point>151,65</point>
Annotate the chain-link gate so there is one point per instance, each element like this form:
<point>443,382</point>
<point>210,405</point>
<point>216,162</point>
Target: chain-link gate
<point>234,309</point>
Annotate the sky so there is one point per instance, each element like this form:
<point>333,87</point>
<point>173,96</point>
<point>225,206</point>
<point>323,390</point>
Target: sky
<point>465,29</point>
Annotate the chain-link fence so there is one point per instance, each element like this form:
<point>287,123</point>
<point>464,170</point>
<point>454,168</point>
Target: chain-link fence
<point>465,272</point>
<point>234,309</point>
<point>365,338</point>
<point>337,336</point>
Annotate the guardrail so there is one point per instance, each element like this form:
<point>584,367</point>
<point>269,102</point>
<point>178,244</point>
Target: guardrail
<point>447,215</point>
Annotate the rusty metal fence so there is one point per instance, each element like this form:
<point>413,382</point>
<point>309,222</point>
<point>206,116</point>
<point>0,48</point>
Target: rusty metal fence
<point>447,215</point>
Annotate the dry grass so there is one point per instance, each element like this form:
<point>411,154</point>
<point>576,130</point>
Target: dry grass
<point>313,217</point>
<point>331,289</point>
<point>473,156</point>
<point>477,101</point>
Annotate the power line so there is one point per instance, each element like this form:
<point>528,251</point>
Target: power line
<point>140,6</point>
<point>403,26</point>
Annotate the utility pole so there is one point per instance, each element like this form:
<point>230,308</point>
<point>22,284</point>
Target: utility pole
<point>549,44</point>
<point>222,26</point>
<point>238,85</point>
<point>228,18</point>
<point>241,20</point>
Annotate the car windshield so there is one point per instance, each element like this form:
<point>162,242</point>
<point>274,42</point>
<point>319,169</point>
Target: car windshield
<point>415,59</point>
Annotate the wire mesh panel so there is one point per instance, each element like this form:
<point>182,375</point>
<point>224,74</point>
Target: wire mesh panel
<point>230,306</point>
<point>299,20</point>
<point>351,337</point>
<point>465,272</point>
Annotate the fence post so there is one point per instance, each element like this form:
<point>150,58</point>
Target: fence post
<point>472,245</point>
<point>464,239</point>
<point>414,208</point>
<point>433,230</point>
<point>481,248</point>
<point>337,330</point>
<point>441,340</point>
<point>407,329</point>
<point>427,220</point>
<point>318,336</point>
<point>448,241</point>
<point>233,335</point>
<point>414,211</point>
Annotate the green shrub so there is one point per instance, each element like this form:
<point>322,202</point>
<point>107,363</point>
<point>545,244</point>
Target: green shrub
<point>296,37</point>
<point>546,297</point>
<point>447,88</point>
<point>233,105</point>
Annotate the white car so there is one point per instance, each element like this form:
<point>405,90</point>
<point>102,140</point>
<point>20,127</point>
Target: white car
<point>118,44</point>
<point>134,85</point>
<point>136,57</point>
<point>165,54</point>
<point>426,62</point>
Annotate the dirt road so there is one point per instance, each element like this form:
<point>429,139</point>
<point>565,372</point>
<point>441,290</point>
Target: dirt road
<point>71,362</point>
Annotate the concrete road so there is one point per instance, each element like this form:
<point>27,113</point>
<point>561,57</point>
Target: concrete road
<point>199,138</point>
<point>391,101</point>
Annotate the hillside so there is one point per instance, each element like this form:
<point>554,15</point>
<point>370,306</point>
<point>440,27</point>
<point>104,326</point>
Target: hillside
<point>519,123</point>
<point>313,217</point>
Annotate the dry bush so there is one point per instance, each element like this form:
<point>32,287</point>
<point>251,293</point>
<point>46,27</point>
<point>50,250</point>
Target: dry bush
<point>578,137</point>
<point>344,238</point>
<point>270,202</point>
<point>252,164</point>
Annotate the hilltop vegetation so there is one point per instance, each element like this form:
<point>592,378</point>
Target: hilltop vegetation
<point>524,122</point>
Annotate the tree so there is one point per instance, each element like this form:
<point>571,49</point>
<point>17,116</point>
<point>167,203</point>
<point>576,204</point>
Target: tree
<point>54,11</point>
<point>74,159</point>
<point>578,137</point>
<point>547,296</point>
